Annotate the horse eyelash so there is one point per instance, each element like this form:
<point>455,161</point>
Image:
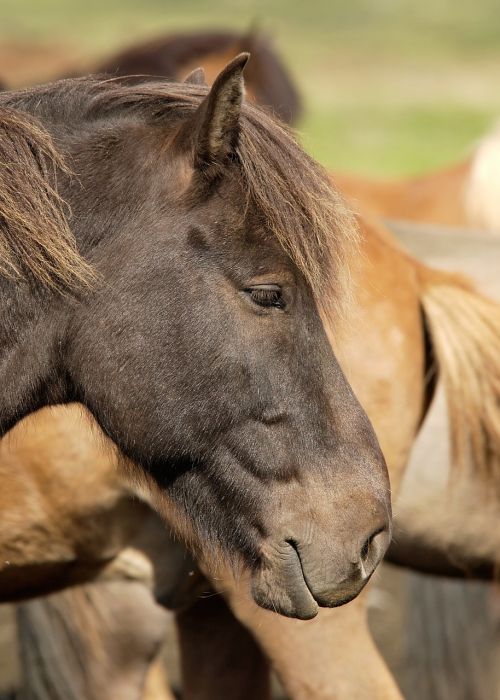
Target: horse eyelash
<point>267,297</point>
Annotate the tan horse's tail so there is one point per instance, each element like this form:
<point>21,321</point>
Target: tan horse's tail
<point>464,330</point>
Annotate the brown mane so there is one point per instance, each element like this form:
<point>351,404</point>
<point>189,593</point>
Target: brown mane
<point>35,238</point>
<point>293,192</point>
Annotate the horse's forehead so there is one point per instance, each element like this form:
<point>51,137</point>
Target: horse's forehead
<point>229,226</point>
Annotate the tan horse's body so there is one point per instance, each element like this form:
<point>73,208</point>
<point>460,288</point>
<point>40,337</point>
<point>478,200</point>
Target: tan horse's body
<point>69,517</point>
<point>437,197</point>
<point>74,509</point>
<point>466,194</point>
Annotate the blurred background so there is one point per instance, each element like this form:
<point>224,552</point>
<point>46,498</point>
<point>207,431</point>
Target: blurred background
<point>390,87</point>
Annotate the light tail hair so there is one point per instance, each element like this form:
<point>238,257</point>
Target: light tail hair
<point>464,328</point>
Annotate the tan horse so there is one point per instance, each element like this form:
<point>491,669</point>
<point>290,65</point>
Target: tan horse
<point>70,517</point>
<point>389,353</point>
<point>466,194</point>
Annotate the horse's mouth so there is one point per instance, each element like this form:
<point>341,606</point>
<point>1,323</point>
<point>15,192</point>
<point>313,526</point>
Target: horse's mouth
<point>288,587</point>
<point>282,588</point>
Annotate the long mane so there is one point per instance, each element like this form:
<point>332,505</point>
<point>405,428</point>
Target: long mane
<point>35,238</point>
<point>293,193</point>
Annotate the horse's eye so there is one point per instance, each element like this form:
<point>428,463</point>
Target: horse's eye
<point>267,295</point>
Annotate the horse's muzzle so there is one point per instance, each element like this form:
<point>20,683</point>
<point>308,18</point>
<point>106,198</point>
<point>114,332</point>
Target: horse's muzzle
<point>297,578</point>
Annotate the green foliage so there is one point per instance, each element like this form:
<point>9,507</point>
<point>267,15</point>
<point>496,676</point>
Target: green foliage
<point>385,142</point>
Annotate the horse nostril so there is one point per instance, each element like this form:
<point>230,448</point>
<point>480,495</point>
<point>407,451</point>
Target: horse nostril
<point>366,549</point>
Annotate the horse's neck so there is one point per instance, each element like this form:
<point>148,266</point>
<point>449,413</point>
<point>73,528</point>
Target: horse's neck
<point>30,334</point>
<point>385,316</point>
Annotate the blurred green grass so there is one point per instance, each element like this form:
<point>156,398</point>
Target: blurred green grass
<point>389,142</point>
<point>390,86</point>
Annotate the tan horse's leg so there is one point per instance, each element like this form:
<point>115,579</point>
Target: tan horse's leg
<point>332,657</point>
<point>220,659</point>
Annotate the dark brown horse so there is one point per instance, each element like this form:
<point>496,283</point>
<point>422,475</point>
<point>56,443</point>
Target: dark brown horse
<point>52,442</point>
<point>267,80</point>
<point>199,348</point>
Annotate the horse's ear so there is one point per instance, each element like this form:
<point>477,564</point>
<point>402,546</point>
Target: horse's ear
<point>196,77</point>
<point>215,124</point>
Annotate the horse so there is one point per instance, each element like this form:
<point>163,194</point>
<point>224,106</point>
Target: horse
<point>268,82</point>
<point>50,541</point>
<point>465,194</point>
<point>174,56</point>
<point>391,313</point>
<point>199,346</point>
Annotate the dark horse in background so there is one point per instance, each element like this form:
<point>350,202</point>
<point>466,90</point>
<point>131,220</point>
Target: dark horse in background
<point>192,330</point>
<point>174,56</point>
<point>267,81</point>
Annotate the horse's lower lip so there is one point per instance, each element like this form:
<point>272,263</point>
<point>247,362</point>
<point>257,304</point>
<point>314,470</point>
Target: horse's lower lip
<point>299,604</point>
<point>284,589</point>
